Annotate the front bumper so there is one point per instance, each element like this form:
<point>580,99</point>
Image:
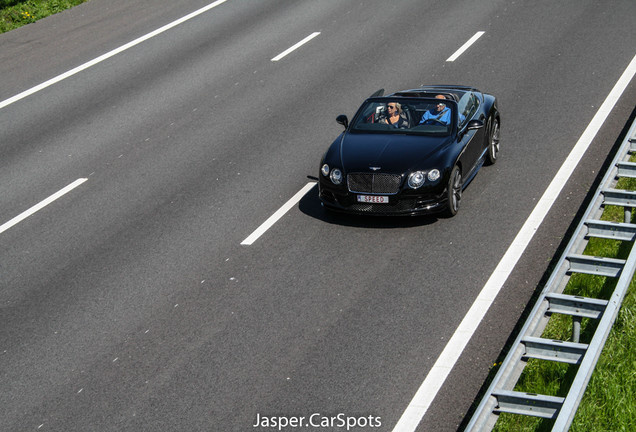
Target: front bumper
<point>400,204</point>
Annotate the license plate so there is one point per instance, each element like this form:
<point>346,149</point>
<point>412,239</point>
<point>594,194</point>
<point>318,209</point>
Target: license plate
<point>375,199</point>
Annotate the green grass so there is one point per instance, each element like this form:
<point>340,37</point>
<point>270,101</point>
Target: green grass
<point>609,403</point>
<point>17,13</point>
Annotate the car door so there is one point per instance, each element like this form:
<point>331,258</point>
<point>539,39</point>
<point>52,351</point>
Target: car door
<point>471,140</point>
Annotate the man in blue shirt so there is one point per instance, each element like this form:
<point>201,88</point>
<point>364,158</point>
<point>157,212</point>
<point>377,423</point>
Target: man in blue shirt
<point>441,114</point>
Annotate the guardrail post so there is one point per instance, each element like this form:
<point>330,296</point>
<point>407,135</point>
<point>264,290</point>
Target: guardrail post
<point>576,328</point>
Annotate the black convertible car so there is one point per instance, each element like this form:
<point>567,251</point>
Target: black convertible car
<point>411,152</point>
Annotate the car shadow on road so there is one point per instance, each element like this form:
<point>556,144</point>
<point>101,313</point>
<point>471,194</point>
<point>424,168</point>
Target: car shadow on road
<point>311,206</point>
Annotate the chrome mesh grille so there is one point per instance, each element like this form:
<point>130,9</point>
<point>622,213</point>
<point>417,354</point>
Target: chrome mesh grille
<point>374,183</point>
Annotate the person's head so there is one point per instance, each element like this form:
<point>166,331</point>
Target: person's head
<point>394,108</point>
<point>440,105</point>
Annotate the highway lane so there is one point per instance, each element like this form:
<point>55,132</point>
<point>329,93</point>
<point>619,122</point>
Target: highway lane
<point>131,305</point>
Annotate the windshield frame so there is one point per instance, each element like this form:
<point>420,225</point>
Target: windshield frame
<point>414,107</point>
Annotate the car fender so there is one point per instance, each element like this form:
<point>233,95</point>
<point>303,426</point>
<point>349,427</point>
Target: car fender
<point>333,155</point>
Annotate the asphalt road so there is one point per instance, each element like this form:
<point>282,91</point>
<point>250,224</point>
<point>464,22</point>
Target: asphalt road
<point>129,303</point>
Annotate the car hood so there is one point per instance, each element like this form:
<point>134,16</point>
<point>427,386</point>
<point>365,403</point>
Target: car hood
<point>391,153</point>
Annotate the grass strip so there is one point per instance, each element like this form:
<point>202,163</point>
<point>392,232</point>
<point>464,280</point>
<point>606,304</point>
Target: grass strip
<point>609,402</point>
<point>17,13</point>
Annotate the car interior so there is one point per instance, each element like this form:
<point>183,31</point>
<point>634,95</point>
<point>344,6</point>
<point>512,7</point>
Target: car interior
<point>412,111</point>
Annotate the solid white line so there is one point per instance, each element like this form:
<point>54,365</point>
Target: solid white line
<point>295,47</point>
<point>108,55</point>
<point>41,205</point>
<point>464,47</point>
<point>447,359</point>
<point>279,214</point>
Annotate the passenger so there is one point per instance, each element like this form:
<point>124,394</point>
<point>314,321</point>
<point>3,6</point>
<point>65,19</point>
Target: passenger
<point>395,116</point>
<point>441,114</point>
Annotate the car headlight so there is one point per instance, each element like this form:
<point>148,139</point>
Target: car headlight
<point>325,170</point>
<point>433,175</point>
<point>336,176</point>
<point>416,179</point>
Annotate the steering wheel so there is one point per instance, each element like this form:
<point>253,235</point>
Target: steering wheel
<point>434,122</point>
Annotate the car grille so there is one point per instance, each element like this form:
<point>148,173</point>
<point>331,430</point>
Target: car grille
<point>374,183</point>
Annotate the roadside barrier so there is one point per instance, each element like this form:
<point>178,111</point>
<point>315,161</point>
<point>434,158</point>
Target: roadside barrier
<point>500,396</point>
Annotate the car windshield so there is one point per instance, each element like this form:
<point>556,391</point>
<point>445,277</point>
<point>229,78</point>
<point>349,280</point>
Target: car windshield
<point>405,116</point>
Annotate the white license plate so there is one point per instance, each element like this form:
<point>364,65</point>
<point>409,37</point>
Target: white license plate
<point>375,199</point>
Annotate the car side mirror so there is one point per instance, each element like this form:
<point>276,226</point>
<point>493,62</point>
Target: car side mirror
<point>475,124</point>
<point>343,120</point>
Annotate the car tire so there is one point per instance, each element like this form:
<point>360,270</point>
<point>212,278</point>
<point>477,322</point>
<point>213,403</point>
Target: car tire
<point>493,142</point>
<point>454,191</point>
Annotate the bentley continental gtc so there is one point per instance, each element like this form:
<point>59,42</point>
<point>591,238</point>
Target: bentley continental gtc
<point>411,152</point>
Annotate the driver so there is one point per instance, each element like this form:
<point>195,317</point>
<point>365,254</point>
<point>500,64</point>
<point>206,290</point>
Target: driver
<point>441,113</point>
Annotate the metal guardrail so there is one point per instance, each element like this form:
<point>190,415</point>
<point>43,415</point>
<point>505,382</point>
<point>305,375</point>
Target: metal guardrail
<point>500,396</point>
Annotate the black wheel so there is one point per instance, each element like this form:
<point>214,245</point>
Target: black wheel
<point>493,143</point>
<point>454,191</point>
